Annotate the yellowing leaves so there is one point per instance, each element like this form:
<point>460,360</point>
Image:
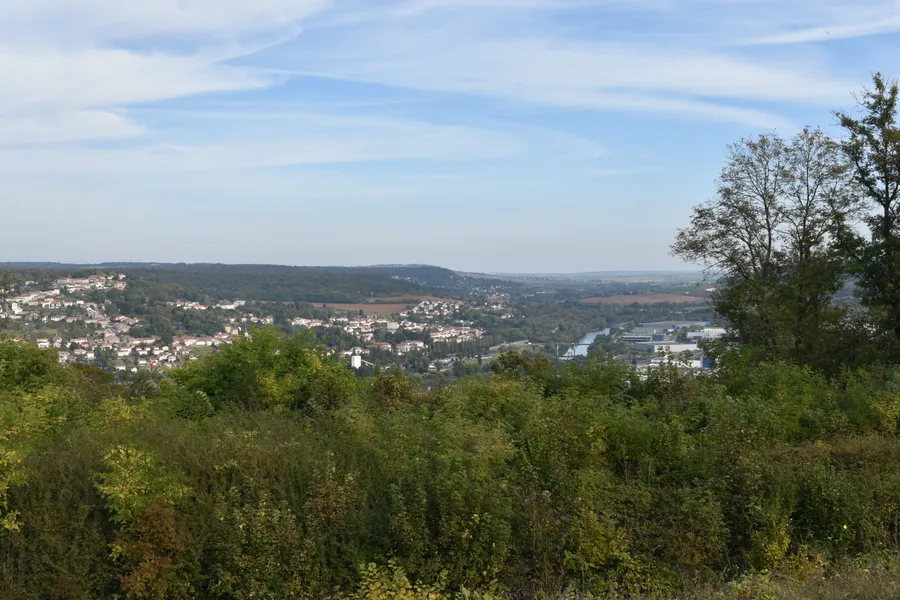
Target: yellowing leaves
<point>133,479</point>
<point>117,410</point>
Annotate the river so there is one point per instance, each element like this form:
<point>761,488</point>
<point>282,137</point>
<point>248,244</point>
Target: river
<point>581,348</point>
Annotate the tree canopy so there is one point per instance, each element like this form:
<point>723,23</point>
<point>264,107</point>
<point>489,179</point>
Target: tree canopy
<point>794,224</point>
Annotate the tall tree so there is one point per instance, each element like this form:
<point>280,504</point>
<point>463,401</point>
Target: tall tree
<point>773,234</point>
<point>873,149</point>
<point>821,208</point>
<point>735,236</point>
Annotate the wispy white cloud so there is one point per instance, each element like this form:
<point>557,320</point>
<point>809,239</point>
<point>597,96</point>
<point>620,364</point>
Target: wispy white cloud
<point>828,20</point>
<point>77,65</point>
<point>94,21</point>
<point>823,33</point>
<point>99,57</point>
<point>72,126</point>
<point>575,74</point>
<point>288,140</point>
<point>674,58</point>
<point>83,92</point>
<point>111,77</point>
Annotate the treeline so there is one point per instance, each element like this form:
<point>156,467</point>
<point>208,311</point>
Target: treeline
<point>282,284</point>
<point>426,275</point>
<point>268,470</point>
<point>215,282</point>
<point>795,222</point>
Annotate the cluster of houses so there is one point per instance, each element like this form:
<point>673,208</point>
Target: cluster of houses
<point>455,333</point>
<point>54,308</point>
<point>132,353</point>
<point>399,348</point>
<point>431,309</point>
<point>420,318</point>
<point>362,327</point>
<point>109,340</point>
<point>23,306</point>
<point>93,282</point>
<point>187,305</point>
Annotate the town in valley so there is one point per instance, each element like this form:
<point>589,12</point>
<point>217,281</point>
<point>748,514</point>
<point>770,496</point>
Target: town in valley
<point>92,319</point>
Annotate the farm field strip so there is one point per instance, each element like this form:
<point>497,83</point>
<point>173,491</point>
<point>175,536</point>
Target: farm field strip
<point>646,299</point>
<point>370,308</point>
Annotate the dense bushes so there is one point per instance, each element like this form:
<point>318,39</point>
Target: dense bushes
<point>267,470</point>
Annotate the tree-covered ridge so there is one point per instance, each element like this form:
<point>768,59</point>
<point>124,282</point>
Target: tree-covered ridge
<point>269,470</point>
<point>286,284</point>
<point>277,282</point>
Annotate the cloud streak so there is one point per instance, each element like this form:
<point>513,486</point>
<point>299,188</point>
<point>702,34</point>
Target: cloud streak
<point>830,20</point>
<point>597,76</point>
<point>96,65</point>
<point>295,140</point>
<point>826,33</point>
<point>79,65</point>
<point>106,21</point>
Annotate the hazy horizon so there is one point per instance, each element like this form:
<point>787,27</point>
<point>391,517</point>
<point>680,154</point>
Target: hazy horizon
<point>114,263</point>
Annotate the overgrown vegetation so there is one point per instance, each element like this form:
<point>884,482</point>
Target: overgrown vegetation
<point>269,470</point>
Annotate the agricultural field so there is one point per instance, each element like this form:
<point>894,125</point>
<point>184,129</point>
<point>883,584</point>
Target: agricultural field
<point>385,305</point>
<point>402,299</point>
<point>370,308</point>
<point>646,299</point>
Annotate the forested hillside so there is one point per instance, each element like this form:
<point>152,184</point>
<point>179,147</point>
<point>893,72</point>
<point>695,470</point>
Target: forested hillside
<point>289,284</point>
<point>250,282</point>
<point>427,275</point>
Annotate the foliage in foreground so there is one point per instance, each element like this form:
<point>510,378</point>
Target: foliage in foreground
<point>268,471</point>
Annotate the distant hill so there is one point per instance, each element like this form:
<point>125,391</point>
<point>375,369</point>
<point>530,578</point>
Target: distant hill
<point>658,276</point>
<point>426,275</point>
<point>281,282</point>
<point>295,283</point>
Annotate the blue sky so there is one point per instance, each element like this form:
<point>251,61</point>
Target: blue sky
<point>501,135</point>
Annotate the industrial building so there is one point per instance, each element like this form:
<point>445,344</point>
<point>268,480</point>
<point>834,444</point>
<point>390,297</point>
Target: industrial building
<point>669,346</point>
<point>708,333</point>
